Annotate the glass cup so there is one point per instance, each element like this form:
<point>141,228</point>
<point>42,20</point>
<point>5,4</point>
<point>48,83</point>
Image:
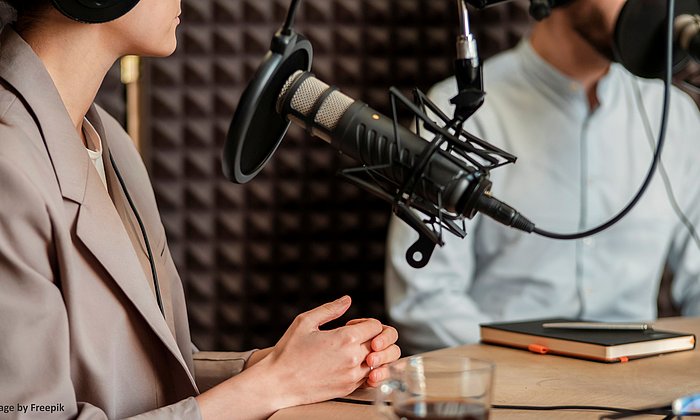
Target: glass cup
<point>436,387</point>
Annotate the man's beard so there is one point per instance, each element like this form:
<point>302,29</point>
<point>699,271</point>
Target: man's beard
<point>590,24</point>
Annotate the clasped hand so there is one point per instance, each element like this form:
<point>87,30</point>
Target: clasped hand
<point>317,365</point>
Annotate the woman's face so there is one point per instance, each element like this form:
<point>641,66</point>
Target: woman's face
<point>147,30</point>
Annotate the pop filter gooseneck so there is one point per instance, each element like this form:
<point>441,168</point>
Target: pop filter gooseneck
<point>257,129</point>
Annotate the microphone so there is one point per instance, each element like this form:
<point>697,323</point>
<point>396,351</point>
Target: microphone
<point>357,130</point>
<point>444,180</point>
<point>639,40</point>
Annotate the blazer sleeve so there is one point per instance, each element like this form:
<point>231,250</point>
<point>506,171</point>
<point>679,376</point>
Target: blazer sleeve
<point>213,367</point>
<point>35,364</point>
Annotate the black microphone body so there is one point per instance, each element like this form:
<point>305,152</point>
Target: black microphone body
<point>368,137</point>
<point>357,130</point>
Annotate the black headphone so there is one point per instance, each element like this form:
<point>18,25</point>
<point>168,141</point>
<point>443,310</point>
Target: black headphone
<point>540,9</point>
<point>94,11</point>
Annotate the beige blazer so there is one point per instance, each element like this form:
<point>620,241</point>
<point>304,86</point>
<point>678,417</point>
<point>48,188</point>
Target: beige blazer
<point>80,328</point>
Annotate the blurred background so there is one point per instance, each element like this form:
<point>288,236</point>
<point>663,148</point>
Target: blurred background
<point>253,256</point>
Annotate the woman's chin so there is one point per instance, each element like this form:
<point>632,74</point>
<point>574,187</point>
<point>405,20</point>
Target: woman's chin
<point>160,51</point>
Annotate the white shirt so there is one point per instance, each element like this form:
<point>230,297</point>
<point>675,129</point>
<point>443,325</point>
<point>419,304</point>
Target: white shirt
<point>576,168</point>
<point>94,149</point>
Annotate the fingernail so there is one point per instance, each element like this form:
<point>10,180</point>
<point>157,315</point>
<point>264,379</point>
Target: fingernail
<point>379,343</point>
<point>344,299</point>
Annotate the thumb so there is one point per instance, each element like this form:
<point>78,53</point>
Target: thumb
<point>327,312</point>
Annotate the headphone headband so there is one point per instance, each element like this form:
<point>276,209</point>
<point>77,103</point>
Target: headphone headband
<point>94,11</point>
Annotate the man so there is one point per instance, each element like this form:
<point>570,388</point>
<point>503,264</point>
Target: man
<point>583,129</point>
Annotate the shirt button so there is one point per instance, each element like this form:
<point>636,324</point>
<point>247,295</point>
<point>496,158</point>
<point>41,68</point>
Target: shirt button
<point>589,242</point>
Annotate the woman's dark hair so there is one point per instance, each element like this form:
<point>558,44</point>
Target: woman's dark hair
<point>28,12</point>
<point>28,6</point>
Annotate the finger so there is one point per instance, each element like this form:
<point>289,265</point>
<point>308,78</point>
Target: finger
<point>361,331</point>
<point>356,321</point>
<point>326,312</point>
<point>377,376</point>
<point>357,356</point>
<point>388,336</point>
<point>360,374</point>
<point>379,358</point>
<point>359,384</point>
<point>366,350</point>
<point>363,373</point>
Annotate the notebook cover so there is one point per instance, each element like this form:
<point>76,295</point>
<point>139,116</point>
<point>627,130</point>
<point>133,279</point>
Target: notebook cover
<point>599,337</point>
<point>599,345</point>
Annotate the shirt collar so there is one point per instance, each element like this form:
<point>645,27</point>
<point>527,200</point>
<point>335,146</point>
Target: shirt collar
<point>557,86</point>
<point>92,137</point>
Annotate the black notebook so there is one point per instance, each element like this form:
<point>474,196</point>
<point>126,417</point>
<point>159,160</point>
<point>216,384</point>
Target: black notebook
<point>600,345</point>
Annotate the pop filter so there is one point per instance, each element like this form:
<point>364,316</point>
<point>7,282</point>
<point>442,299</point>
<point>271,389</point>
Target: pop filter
<point>640,34</point>
<point>257,129</point>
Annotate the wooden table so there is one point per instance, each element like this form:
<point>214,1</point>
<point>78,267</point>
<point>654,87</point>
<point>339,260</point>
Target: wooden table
<point>524,378</point>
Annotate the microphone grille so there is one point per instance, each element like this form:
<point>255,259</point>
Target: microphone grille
<point>285,89</point>
<point>305,97</point>
<point>304,100</point>
<point>332,110</point>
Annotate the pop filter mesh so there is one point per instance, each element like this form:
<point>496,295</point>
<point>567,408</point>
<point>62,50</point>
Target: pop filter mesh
<point>267,128</point>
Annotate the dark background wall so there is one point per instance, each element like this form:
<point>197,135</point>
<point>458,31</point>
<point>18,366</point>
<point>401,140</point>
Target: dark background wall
<point>253,256</point>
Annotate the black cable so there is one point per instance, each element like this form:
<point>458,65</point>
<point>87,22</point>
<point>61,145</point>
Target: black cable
<point>151,260</point>
<point>665,411</point>
<point>560,407</point>
<point>662,169</point>
<point>619,412</point>
<point>291,14</point>
<point>356,402</point>
<point>659,147</point>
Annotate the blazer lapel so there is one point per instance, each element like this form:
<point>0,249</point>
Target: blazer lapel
<point>98,224</point>
<point>131,225</point>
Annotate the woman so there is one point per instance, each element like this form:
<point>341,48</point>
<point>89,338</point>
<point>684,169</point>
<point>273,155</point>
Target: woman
<point>92,315</point>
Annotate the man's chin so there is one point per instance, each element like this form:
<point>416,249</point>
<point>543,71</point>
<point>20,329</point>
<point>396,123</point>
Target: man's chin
<point>606,51</point>
<point>601,45</point>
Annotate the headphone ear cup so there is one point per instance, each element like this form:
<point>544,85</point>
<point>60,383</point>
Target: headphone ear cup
<point>540,9</point>
<point>94,11</point>
<point>559,3</point>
